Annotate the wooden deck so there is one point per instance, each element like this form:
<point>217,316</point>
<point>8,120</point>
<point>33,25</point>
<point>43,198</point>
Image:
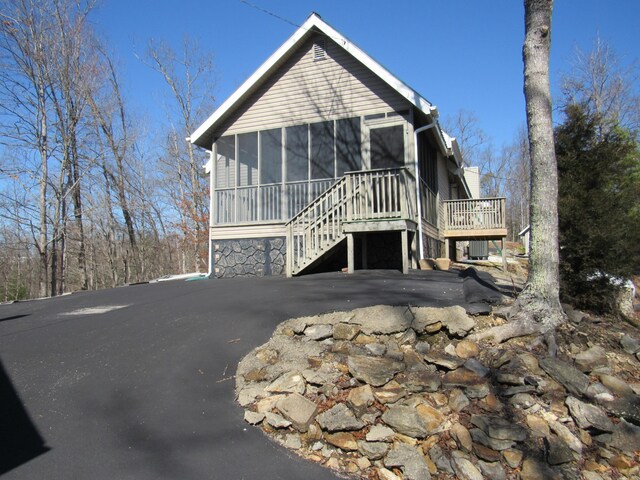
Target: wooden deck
<point>475,219</point>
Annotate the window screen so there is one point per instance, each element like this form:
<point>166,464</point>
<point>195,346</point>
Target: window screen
<point>226,162</point>
<point>387,147</point>
<point>248,159</point>
<point>271,156</point>
<point>322,157</point>
<point>348,146</point>
<point>297,153</point>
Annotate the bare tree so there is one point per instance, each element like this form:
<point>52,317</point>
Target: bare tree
<point>604,87</point>
<point>189,77</point>
<point>465,127</point>
<point>25,110</point>
<point>538,309</point>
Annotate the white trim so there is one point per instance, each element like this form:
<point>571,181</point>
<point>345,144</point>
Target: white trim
<point>314,21</point>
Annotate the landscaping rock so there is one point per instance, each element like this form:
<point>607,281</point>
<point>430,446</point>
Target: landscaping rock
<point>339,418</point>
<point>464,469</point>
<point>616,385</point>
<point>431,417</point>
<point>290,382</point>
<point>373,450</point>
<point>482,438</point>
<point>374,371</point>
<point>454,319</point>
<point>410,460</point>
<point>318,332</point>
<point>476,367</point>
<point>299,410</point>
<point>360,399</point>
<point>424,381</point>
<point>390,393</point>
<point>588,416</point>
<point>384,474</point>
<point>345,331</point>
<point>345,441</point>
<point>567,375</point>
<point>276,420</point>
<point>376,349</point>
<point>625,437</point>
<point>538,426</point>
<point>253,418</point>
<point>630,344</point>
<point>467,349</point>
<point>380,433</point>
<point>537,470</point>
<point>591,359</point>
<point>292,441</point>
<point>382,319</point>
<point>441,460</point>
<point>444,360</point>
<point>405,420</point>
<point>486,453</point>
<point>499,428</point>
<point>492,470</point>
<point>458,401</point>
<point>558,452</point>
<point>462,436</point>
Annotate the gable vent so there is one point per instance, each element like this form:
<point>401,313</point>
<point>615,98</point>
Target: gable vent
<point>319,50</point>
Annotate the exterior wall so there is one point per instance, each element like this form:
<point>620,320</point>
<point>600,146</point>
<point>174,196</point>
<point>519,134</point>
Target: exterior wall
<point>308,90</point>
<point>258,257</point>
<point>443,178</point>
<point>472,176</point>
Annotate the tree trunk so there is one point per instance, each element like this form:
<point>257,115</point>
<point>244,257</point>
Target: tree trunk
<point>538,309</point>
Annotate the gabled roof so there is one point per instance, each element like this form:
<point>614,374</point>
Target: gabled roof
<point>203,135</point>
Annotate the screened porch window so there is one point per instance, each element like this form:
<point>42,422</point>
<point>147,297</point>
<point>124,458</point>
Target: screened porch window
<point>387,147</point>
<point>322,151</point>
<point>348,146</point>
<point>270,175</point>
<point>226,162</point>
<point>248,159</point>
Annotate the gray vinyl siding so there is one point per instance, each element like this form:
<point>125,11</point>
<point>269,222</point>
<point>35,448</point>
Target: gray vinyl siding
<point>443,178</point>
<point>305,91</point>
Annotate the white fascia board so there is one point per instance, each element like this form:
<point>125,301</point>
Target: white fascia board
<point>266,68</point>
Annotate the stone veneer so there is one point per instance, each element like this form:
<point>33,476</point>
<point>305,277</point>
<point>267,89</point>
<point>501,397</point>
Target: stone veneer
<point>249,257</point>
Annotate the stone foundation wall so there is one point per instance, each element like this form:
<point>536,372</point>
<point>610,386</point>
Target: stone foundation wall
<point>257,257</point>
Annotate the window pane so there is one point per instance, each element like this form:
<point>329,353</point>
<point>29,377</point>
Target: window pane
<point>297,153</point>
<point>271,156</point>
<point>387,147</point>
<point>226,162</point>
<point>348,146</point>
<point>322,158</point>
<point>248,159</point>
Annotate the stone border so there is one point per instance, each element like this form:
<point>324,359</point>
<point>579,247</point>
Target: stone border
<point>397,393</point>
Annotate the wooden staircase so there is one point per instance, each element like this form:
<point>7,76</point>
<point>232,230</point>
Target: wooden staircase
<point>364,201</point>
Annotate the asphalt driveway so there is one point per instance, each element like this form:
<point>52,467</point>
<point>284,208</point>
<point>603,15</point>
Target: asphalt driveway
<point>143,391</point>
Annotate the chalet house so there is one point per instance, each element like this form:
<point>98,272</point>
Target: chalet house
<point>323,159</point>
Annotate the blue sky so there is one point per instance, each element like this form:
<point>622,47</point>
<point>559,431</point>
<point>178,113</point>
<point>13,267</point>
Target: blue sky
<point>458,54</point>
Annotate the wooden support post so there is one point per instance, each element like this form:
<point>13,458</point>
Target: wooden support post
<point>446,248</point>
<point>414,250</point>
<point>504,254</point>
<point>350,253</point>
<point>364,251</point>
<point>405,251</point>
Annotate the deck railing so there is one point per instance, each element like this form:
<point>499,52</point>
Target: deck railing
<point>379,194</point>
<point>264,203</point>
<point>429,203</point>
<point>475,214</point>
<point>358,196</point>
